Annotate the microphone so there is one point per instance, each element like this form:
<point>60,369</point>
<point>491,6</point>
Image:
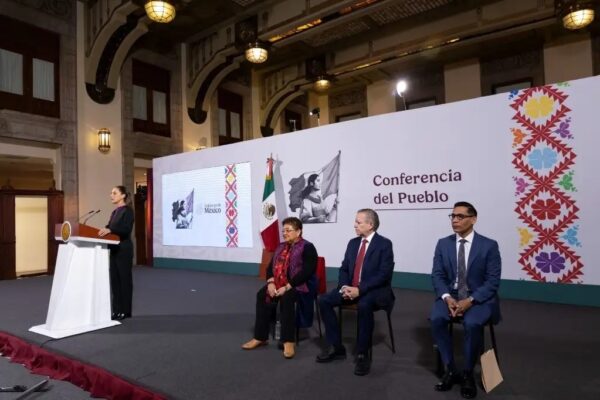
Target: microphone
<point>88,218</point>
<point>85,215</point>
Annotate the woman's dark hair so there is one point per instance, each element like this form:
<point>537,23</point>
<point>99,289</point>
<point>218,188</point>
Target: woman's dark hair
<point>293,221</point>
<point>123,190</point>
<point>310,183</point>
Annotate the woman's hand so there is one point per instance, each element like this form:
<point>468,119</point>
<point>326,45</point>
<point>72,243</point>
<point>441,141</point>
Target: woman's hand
<point>281,291</point>
<point>271,289</point>
<point>103,232</point>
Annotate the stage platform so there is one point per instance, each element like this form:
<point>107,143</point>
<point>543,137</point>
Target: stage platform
<point>184,340</point>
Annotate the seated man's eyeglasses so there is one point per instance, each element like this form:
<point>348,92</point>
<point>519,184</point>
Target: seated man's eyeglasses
<point>459,217</point>
<point>289,230</point>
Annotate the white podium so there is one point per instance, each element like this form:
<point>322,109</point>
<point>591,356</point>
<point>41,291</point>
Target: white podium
<point>80,297</point>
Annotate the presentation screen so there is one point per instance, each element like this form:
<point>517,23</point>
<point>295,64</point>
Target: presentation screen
<point>208,207</point>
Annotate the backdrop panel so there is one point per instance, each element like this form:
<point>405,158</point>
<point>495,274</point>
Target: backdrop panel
<point>525,160</point>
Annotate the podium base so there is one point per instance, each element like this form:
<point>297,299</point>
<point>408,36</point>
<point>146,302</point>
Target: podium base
<point>62,333</point>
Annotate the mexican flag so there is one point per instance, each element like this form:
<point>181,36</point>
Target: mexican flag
<point>269,229</point>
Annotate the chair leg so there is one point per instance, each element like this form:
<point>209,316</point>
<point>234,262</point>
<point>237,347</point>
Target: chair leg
<point>340,322</point>
<point>391,331</point>
<point>318,317</point>
<point>493,337</point>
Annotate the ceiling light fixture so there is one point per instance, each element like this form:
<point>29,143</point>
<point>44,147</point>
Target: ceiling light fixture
<point>576,14</point>
<point>162,11</point>
<point>322,83</point>
<point>257,53</point>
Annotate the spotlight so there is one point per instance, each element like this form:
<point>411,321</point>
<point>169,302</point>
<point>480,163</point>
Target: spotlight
<point>401,87</point>
<point>315,111</point>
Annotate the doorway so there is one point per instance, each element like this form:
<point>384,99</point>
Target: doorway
<point>31,235</point>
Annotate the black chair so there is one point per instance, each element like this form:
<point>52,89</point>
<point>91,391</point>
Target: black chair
<point>459,320</point>
<point>354,307</point>
<point>308,302</point>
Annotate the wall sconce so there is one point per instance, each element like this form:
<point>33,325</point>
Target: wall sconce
<point>576,14</point>
<point>316,112</point>
<point>104,140</point>
<point>202,144</point>
<point>322,83</point>
<point>257,52</point>
<point>162,11</point>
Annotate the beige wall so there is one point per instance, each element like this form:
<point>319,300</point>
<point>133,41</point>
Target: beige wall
<point>567,61</point>
<point>194,135</point>
<point>31,234</point>
<point>462,80</point>
<point>98,172</point>
<point>30,182</point>
<point>381,98</point>
<point>255,82</point>
<point>322,102</point>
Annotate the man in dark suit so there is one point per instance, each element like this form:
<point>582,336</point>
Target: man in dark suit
<point>466,276</point>
<point>365,279</point>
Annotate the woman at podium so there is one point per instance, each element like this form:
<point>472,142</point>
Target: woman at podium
<point>121,255</point>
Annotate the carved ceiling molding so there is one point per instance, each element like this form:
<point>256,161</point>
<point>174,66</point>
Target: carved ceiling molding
<point>62,9</point>
<point>427,78</point>
<point>528,59</point>
<point>396,12</point>
<point>111,43</point>
<point>350,97</point>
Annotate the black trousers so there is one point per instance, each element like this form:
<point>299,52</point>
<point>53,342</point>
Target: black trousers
<point>367,304</point>
<point>121,279</point>
<point>265,310</point>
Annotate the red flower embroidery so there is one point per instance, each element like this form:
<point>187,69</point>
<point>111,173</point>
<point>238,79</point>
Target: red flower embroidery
<point>548,209</point>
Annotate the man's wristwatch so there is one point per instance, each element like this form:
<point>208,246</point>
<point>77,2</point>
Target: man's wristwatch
<point>471,299</point>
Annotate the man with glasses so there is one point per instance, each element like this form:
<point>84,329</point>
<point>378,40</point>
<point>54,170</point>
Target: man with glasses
<point>466,276</point>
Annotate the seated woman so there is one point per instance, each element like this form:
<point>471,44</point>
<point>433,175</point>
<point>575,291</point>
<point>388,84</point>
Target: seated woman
<point>292,265</point>
<point>314,208</point>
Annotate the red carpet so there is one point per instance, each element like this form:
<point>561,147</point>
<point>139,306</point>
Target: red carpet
<point>97,381</point>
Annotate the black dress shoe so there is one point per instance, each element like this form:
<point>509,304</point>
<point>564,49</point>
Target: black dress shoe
<point>468,389</point>
<point>332,353</point>
<point>113,316</point>
<point>120,317</point>
<point>363,365</point>
<point>450,378</point>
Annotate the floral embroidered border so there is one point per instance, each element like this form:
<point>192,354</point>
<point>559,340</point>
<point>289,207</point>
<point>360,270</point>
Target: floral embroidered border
<point>231,211</point>
<point>543,160</point>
